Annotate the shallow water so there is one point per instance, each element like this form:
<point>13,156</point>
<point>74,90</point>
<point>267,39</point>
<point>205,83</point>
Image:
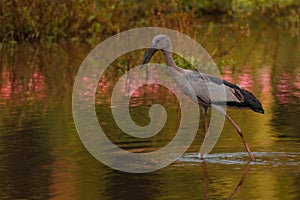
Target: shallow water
<point>42,156</point>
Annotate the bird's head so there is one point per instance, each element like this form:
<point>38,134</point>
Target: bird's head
<point>159,42</point>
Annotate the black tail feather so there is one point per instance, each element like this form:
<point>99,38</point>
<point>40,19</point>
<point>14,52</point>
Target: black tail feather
<point>250,101</point>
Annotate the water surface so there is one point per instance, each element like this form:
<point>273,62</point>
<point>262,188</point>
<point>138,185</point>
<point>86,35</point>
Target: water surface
<point>42,156</point>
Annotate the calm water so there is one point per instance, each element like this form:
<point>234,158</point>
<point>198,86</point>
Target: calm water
<point>42,156</point>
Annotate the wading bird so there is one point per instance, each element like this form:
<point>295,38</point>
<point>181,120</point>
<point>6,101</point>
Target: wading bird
<point>235,96</point>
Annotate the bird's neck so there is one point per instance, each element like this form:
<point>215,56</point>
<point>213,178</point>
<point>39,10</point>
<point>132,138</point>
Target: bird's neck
<point>170,62</point>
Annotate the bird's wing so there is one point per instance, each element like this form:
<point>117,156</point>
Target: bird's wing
<point>210,89</point>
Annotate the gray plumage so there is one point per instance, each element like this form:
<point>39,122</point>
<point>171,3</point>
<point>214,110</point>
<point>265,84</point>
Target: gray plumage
<point>205,89</point>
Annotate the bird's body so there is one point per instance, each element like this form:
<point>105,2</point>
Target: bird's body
<point>201,87</point>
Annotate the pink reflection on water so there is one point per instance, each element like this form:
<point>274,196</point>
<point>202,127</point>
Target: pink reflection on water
<point>227,74</point>
<point>138,95</point>
<point>245,79</point>
<point>12,88</point>
<point>104,89</point>
<point>36,85</point>
<point>265,80</point>
<point>284,89</point>
<point>297,84</point>
<point>6,85</point>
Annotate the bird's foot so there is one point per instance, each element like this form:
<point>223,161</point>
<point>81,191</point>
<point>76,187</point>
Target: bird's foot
<point>200,156</point>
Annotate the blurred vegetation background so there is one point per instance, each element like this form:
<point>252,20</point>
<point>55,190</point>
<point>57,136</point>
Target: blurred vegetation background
<point>92,21</point>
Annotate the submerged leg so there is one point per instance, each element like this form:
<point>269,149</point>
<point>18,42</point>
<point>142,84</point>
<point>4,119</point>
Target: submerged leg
<point>203,147</point>
<point>242,136</point>
<point>206,181</point>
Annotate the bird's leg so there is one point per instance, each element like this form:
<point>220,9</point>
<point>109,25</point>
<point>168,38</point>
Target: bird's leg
<point>205,109</point>
<point>242,136</point>
<point>203,147</point>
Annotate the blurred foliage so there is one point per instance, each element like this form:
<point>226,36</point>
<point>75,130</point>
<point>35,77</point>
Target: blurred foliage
<point>94,20</point>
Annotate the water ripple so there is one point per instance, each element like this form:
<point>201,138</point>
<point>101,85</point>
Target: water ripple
<point>240,158</point>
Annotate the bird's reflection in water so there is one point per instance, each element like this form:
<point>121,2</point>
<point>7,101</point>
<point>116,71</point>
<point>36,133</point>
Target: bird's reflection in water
<point>235,191</point>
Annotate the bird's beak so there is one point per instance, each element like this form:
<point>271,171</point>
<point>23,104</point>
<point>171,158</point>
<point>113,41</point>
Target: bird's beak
<point>148,55</point>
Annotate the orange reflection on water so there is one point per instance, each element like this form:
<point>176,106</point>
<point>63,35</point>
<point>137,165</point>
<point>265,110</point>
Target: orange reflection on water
<point>62,175</point>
